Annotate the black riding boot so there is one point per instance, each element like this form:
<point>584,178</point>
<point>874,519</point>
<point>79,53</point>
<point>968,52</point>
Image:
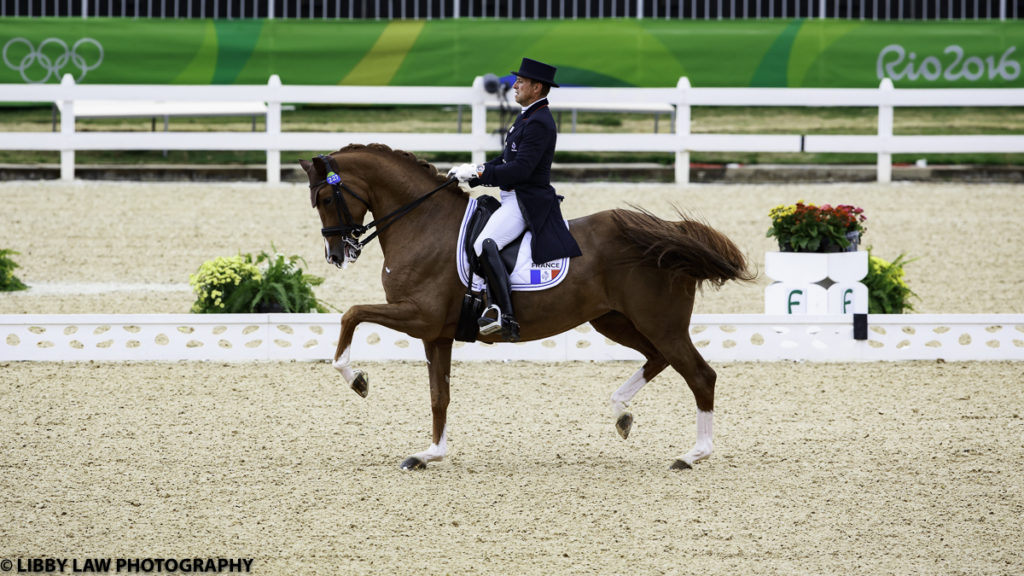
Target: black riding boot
<point>498,315</point>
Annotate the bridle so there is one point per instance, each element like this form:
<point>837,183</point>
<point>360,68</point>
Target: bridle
<point>349,230</point>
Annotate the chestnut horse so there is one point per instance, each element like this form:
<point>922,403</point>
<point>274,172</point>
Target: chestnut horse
<point>635,282</point>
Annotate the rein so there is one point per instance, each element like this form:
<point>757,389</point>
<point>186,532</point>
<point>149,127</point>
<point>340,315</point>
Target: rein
<point>350,231</point>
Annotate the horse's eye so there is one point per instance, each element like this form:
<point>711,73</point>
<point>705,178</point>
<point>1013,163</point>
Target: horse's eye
<point>328,200</point>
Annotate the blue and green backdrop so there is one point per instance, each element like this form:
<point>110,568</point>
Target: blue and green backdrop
<point>611,52</point>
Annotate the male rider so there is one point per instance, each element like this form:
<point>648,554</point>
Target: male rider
<point>528,201</point>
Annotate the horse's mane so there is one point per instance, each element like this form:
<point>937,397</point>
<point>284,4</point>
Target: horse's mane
<point>404,156</point>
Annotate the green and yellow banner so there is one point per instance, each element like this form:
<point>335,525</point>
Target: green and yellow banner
<point>608,52</point>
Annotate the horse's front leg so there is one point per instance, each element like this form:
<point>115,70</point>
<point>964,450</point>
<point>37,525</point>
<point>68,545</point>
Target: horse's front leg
<point>439,362</point>
<point>400,316</point>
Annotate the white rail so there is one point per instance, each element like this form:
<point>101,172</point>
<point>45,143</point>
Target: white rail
<point>720,338</point>
<point>479,141</point>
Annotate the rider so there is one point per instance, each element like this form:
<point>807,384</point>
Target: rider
<point>528,201</point>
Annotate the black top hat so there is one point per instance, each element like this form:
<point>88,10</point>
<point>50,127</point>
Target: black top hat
<point>538,71</point>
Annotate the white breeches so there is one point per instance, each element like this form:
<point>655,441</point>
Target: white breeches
<point>505,225</point>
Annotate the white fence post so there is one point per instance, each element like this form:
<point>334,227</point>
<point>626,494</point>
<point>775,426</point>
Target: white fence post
<point>683,132</point>
<point>885,131</point>
<point>478,122</point>
<point>274,131</point>
<point>67,129</point>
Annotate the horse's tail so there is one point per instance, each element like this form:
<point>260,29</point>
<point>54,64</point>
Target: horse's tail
<point>688,247</point>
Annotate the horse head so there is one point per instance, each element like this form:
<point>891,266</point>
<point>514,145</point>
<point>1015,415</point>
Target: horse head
<point>341,210</point>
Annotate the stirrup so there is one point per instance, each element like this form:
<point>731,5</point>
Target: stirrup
<point>490,325</point>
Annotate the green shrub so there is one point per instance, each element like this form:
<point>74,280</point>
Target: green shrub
<point>8,281</point>
<point>285,287</point>
<point>888,292</point>
<point>225,285</point>
<point>242,284</point>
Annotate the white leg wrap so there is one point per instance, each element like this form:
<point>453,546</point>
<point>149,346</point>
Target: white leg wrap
<point>622,396</point>
<point>436,451</point>
<point>342,365</point>
<point>704,446</point>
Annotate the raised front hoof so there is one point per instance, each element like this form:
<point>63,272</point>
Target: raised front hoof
<point>413,463</point>
<point>681,464</point>
<point>624,424</point>
<point>361,384</point>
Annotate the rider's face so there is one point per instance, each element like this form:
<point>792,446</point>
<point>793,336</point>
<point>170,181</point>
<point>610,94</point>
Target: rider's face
<point>527,91</point>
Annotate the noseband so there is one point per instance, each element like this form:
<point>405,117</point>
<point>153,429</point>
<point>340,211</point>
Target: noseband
<point>349,230</point>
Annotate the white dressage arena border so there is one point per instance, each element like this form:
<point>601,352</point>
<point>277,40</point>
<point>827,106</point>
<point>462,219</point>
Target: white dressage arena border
<point>719,337</point>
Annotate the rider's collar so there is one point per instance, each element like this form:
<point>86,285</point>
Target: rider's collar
<point>536,104</point>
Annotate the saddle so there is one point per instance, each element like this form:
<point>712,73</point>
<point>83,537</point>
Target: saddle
<point>516,257</point>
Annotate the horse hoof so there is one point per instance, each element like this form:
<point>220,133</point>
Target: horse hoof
<point>681,465</point>
<point>413,463</point>
<point>361,384</point>
<point>624,424</point>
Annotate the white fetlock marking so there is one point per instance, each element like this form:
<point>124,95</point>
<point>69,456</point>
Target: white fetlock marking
<point>342,365</point>
<point>621,397</point>
<point>436,451</point>
<point>704,446</point>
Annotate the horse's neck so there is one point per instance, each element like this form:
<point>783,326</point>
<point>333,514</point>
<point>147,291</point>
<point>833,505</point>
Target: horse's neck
<point>435,221</point>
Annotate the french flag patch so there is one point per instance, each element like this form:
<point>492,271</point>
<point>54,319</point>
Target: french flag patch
<point>543,275</point>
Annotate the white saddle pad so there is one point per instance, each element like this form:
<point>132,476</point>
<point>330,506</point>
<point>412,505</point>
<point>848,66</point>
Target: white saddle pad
<point>526,276</point>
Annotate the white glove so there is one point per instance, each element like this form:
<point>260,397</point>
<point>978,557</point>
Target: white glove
<point>463,173</point>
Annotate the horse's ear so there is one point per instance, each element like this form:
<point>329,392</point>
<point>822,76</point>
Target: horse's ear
<point>311,173</point>
<point>320,166</point>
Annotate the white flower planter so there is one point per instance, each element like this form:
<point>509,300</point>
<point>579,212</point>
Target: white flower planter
<point>812,283</point>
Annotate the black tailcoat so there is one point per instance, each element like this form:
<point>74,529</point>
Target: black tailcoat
<point>525,166</point>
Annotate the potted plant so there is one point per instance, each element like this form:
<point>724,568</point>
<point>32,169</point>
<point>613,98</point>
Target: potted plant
<point>817,269</point>
<point>804,227</point>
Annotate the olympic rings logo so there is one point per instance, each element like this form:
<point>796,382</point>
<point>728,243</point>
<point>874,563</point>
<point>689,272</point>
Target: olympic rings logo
<point>51,57</point>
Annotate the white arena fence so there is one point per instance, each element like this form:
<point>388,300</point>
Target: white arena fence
<point>682,142</point>
<point>286,337</point>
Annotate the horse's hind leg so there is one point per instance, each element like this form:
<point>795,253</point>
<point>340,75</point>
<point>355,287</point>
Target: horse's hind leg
<point>618,328</point>
<point>700,377</point>
<point>667,329</point>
